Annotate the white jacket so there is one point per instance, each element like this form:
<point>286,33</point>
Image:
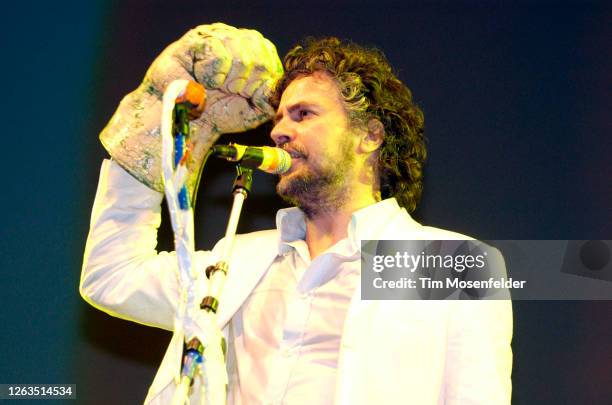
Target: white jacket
<point>392,352</point>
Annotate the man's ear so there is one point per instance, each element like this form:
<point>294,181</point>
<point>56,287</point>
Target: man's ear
<point>373,137</point>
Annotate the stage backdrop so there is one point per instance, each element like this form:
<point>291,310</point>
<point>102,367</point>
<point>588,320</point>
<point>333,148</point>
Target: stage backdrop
<point>517,105</point>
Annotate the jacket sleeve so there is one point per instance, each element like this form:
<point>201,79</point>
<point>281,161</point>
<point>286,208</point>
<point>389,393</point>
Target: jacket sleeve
<point>122,273</point>
<point>479,356</point>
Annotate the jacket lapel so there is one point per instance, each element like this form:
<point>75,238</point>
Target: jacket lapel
<point>257,252</point>
<point>359,315</point>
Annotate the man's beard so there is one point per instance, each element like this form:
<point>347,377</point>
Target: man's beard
<point>320,187</point>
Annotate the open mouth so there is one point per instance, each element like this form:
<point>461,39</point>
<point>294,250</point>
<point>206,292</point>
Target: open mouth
<point>295,154</point>
<point>297,160</point>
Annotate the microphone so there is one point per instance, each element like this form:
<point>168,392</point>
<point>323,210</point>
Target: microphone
<point>266,158</point>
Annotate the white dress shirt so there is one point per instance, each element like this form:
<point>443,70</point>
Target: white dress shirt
<point>286,336</point>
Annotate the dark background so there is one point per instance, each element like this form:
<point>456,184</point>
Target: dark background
<point>516,97</point>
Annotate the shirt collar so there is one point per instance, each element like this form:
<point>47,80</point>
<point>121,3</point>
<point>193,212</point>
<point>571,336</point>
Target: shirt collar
<point>366,223</point>
<point>291,224</point>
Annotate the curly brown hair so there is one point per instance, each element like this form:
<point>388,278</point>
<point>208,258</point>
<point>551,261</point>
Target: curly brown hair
<point>370,90</point>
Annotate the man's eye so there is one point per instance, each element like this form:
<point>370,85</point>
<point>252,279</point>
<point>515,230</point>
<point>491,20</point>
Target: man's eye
<point>305,114</point>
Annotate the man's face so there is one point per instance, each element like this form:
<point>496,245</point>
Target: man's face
<point>312,124</point>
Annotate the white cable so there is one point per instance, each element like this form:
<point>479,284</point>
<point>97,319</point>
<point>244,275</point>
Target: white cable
<point>189,321</point>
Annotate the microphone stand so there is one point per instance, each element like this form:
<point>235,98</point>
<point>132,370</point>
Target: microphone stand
<point>217,273</point>
<point>194,351</point>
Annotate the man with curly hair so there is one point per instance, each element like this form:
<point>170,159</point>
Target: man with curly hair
<point>297,329</point>
<point>374,100</point>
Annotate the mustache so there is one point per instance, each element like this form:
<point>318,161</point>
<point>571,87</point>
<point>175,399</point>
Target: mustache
<point>295,149</point>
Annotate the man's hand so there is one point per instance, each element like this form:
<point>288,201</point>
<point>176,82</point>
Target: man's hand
<point>237,67</point>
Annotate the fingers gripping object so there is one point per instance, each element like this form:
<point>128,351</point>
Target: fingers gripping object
<point>183,101</point>
<point>193,98</point>
<point>238,67</point>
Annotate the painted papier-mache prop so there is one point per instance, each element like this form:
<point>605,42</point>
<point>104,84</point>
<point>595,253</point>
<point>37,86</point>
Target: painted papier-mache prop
<point>236,66</point>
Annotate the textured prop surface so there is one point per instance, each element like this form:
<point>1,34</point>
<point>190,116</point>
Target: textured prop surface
<point>238,67</point>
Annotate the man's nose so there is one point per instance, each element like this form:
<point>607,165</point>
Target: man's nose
<point>282,133</point>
